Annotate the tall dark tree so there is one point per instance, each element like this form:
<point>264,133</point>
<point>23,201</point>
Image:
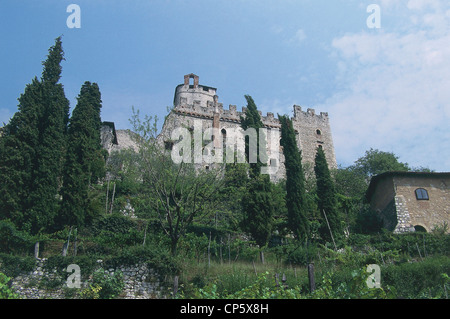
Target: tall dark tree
<point>253,120</point>
<point>259,208</point>
<point>33,149</point>
<point>17,155</point>
<point>258,201</point>
<point>295,181</point>
<point>327,200</point>
<point>84,159</point>
<point>46,179</point>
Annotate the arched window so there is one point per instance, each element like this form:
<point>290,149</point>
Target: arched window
<point>318,132</point>
<point>224,138</point>
<point>419,228</point>
<point>422,194</point>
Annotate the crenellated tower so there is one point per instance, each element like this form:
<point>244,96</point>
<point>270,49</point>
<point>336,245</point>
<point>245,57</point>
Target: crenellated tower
<point>194,102</point>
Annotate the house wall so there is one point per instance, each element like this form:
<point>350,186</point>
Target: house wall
<point>425,213</point>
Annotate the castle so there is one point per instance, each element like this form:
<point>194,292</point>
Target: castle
<point>198,105</point>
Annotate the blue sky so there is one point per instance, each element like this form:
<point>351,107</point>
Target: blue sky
<point>386,88</point>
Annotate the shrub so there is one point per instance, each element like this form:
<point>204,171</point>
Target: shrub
<point>13,265</point>
<point>418,279</point>
<point>354,287</point>
<point>91,292</point>
<point>5,291</point>
<point>13,240</point>
<point>298,254</point>
<point>110,285</point>
<point>113,223</point>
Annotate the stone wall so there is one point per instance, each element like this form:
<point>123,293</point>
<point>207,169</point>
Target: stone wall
<point>195,102</point>
<point>425,213</point>
<point>140,282</point>
<point>393,196</point>
<point>403,217</point>
<point>199,103</point>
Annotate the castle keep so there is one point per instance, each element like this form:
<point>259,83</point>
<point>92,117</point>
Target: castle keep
<point>195,103</point>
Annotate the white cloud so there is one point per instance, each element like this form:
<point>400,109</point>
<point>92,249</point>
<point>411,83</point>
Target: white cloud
<point>398,96</point>
<point>421,4</point>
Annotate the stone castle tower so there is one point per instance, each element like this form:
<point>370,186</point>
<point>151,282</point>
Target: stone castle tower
<point>195,103</point>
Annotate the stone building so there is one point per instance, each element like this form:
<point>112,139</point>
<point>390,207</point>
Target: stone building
<point>411,201</point>
<point>198,106</point>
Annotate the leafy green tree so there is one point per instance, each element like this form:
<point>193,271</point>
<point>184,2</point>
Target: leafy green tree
<point>375,162</point>
<point>85,163</point>
<point>349,182</point>
<point>295,181</point>
<point>33,149</point>
<point>326,194</point>
<point>231,194</point>
<point>177,193</point>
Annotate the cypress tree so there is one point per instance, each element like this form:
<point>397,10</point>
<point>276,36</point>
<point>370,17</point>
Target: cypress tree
<point>295,181</point>
<point>17,155</point>
<point>46,176</point>
<point>32,149</point>
<point>259,208</point>
<point>326,195</point>
<point>258,202</point>
<point>84,160</point>
<point>252,119</point>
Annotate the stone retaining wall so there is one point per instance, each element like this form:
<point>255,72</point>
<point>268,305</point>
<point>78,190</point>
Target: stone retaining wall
<point>140,281</point>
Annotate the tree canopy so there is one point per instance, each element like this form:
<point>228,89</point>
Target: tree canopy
<point>33,148</point>
<point>295,181</point>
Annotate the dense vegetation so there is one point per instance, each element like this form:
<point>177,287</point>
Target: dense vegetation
<point>226,233</point>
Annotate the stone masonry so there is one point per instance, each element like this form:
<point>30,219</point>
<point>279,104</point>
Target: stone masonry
<point>195,103</point>
<point>394,195</point>
<point>140,281</point>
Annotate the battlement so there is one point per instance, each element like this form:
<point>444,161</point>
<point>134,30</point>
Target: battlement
<point>193,99</point>
<point>196,104</point>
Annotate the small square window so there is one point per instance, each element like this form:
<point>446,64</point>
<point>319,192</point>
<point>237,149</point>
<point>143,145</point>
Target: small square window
<point>422,194</point>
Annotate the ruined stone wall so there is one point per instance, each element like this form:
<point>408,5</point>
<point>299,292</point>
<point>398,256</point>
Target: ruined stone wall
<point>140,282</point>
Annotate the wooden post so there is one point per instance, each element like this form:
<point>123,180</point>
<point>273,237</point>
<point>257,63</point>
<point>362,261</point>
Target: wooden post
<point>112,199</point>
<point>229,248</point>
<point>64,250</point>
<point>36,250</point>
<point>107,195</point>
<point>209,250</point>
<point>220,250</point>
<point>331,233</point>
<point>175,287</point>
<point>419,252</point>
<point>312,282</point>
<point>75,242</point>
<point>66,244</point>
<point>254,268</point>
